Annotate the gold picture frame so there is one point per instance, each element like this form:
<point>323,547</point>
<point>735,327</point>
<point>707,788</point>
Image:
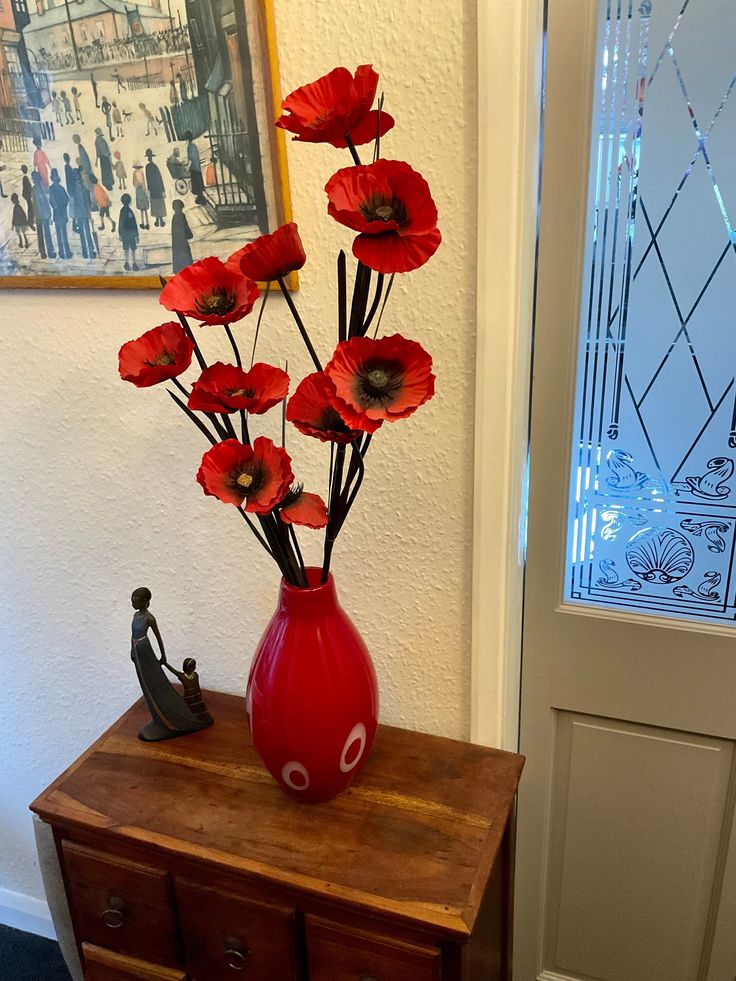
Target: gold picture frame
<point>222,88</point>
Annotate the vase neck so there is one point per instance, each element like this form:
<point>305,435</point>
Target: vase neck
<point>314,598</point>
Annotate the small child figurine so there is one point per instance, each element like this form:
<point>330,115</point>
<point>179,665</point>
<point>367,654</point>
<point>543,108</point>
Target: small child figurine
<point>192,692</point>
<point>20,221</point>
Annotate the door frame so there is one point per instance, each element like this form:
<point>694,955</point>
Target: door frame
<point>510,95</point>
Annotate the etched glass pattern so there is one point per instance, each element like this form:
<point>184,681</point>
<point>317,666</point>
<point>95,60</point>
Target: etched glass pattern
<point>653,493</point>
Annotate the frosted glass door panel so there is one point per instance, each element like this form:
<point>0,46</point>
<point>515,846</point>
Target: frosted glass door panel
<point>653,492</point>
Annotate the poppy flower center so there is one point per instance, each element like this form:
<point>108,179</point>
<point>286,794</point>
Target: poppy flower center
<point>217,302</point>
<point>330,421</point>
<point>242,393</point>
<point>378,382</point>
<point>164,358</point>
<point>379,207</point>
<point>245,480</point>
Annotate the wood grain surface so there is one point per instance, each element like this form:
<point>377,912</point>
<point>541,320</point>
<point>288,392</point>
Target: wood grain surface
<point>415,837</point>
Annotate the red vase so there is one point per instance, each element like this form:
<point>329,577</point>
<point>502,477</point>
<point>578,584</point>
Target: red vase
<point>312,695</point>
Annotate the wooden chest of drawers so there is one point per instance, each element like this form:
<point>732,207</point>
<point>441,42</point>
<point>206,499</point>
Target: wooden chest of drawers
<point>183,861</point>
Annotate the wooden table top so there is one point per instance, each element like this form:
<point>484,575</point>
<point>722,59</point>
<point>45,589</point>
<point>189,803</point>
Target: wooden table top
<point>416,835</point>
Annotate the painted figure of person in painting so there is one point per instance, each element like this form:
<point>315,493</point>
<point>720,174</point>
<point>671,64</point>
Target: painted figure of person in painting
<point>83,211</point>
<point>170,714</point>
<point>156,190</point>
<point>77,107</point>
<point>41,161</point>
<point>120,171</point>
<point>195,168</point>
<point>128,232</point>
<point>181,235</point>
<point>102,200</point>
<point>84,161</point>
<point>104,159</point>
<point>59,200</point>
<point>19,221</point>
<point>142,201</point>
<point>70,179</point>
<point>42,208</point>
<point>27,194</point>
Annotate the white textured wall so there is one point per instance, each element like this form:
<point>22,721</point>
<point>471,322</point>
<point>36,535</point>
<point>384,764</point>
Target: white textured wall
<point>97,478</point>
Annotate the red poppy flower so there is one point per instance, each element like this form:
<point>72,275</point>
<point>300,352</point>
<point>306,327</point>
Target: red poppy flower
<point>335,106</point>
<point>311,410</point>
<point>308,510</point>
<point>391,206</point>
<point>211,292</point>
<point>388,378</point>
<point>270,256</point>
<point>227,388</point>
<point>258,475</point>
<point>162,353</point>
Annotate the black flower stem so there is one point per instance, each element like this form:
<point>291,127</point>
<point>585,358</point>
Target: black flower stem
<point>298,551</point>
<point>300,325</point>
<point>374,305</point>
<point>353,151</point>
<point>354,492</point>
<point>385,301</point>
<point>342,297</point>
<point>377,144</point>
<point>244,427</point>
<point>188,330</point>
<point>266,522</point>
<point>197,422</point>
<point>258,324</point>
<point>332,466</point>
<point>234,346</point>
<point>228,426</point>
<point>283,413</point>
<point>181,388</point>
<point>361,289</point>
<point>257,533</point>
<point>281,535</point>
<point>333,510</point>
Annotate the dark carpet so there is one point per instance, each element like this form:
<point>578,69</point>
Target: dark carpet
<point>26,957</point>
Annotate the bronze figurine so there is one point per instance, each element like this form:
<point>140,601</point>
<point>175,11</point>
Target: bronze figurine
<point>172,714</point>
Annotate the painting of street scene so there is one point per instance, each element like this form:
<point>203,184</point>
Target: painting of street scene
<point>135,138</point>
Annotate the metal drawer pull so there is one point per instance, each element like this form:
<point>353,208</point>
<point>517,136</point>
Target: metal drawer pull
<point>114,915</point>
<point>235,959</point>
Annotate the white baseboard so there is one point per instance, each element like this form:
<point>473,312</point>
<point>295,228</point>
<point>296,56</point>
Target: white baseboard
<point>25,913</point>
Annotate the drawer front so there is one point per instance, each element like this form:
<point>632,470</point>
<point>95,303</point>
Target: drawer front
<point>342,954</point>
<point>227,936</point>
<point>121,905</point>
<point>104,965</point>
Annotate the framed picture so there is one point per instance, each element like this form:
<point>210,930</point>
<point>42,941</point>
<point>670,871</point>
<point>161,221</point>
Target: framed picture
<point>135,138</point>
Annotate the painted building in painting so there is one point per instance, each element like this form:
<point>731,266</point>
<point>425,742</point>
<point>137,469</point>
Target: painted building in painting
<point>56,28</point>
<point>221,54</point>
<point>19,84</point>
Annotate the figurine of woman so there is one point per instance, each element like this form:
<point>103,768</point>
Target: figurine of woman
<point>170,714</point>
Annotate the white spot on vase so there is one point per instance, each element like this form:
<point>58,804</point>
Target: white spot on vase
<point>354,748</point>
<point>295,775</point>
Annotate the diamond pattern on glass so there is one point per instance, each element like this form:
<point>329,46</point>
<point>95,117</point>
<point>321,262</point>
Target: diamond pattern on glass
<point>653,493</point>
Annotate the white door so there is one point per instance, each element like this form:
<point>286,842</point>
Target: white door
<point>626,859</point>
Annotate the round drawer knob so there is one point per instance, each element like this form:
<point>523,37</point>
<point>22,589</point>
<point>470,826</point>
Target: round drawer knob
<point>113,918</point>
<point>235,959</point>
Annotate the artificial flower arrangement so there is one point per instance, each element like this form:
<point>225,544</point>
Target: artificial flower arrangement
<point>368,380</point>
<point>312,698</point>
